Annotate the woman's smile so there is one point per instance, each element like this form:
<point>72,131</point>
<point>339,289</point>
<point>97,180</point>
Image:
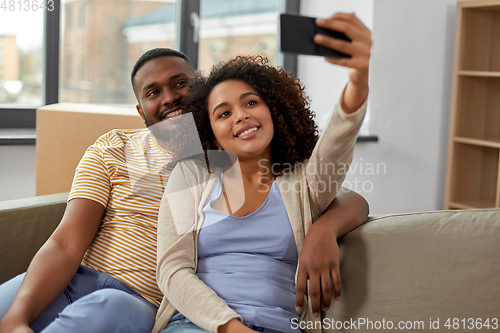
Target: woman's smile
<point>247,132</point>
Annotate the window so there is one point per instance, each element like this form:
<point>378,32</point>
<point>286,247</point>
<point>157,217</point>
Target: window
<point>245,27</point>
<point>67,71</point>
<point>81,15</point>
<point>68,16</point>
<point>20,59</point>
<point>105,49</point>
<point>82,70</point>
<point>87,49</point>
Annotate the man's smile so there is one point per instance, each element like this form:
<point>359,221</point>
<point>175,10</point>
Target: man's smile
<point>170,113</point>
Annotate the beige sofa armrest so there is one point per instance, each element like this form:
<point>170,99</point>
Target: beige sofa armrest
<point>25,224</point>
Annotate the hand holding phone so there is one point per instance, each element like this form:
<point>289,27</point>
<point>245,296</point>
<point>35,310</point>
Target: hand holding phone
<point>297,36</point>
<point>300,35</point>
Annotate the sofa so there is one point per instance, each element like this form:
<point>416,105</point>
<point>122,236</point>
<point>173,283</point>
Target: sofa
<point>25,224</point>
<point>426,271</point>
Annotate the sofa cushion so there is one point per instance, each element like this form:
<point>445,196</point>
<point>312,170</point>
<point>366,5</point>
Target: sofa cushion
<point>421,267</point>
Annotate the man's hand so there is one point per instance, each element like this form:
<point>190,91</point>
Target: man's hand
<point>319,262</point>
<point>319,259</point>
<point>359,49</point>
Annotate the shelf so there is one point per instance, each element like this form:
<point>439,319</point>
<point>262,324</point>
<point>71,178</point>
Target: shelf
<point>478,107</point>
<point>493,143</point>
<point>474,175</point>
<point>472,204</point>
<point>479,73</point>
<point>480,32</point>
<point>484,4</point>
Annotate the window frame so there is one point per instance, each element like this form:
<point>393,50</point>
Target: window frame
<point>24,118</point>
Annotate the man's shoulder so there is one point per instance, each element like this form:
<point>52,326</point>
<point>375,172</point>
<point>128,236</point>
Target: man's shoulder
<point>121,137</point>
<point>136,147</point>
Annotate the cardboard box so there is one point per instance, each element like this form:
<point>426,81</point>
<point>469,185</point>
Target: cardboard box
<point>65,131</point>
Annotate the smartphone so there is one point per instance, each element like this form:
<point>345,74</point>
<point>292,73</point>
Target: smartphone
<point>296,36</point>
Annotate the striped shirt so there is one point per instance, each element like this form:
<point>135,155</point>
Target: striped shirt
<point>126,172</point>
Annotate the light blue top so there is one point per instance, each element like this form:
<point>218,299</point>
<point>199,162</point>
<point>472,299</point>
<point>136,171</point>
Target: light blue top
<point>250,261</point>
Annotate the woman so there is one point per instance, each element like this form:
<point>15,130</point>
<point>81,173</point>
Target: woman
<point>230,229</point>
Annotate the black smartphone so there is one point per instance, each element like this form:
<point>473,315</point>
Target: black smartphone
<point>297,33</point>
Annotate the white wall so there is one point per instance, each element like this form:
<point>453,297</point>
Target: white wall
<point>411,72</point>
<point>17,172</point>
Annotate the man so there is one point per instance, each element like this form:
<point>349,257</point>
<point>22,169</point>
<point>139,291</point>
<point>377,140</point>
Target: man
<point>110,225</point>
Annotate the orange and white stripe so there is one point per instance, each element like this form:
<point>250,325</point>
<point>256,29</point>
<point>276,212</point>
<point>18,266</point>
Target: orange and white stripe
<point>126,172</point>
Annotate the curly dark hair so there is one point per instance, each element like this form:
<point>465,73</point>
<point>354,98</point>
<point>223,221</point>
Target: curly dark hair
<point>295,131</point>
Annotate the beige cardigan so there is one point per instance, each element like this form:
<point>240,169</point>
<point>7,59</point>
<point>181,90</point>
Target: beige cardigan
<point>180,219</point>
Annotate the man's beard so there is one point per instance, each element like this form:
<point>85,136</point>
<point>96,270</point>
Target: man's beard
<point>180,137</point>
<point>162,132</point>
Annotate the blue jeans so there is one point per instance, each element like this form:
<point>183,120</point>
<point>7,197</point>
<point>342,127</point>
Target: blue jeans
<point>180,324</point>
<point>93,302</point>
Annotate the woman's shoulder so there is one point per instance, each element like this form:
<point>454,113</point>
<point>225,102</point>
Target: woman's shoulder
<point>194,171</point>
<point>292,177</point>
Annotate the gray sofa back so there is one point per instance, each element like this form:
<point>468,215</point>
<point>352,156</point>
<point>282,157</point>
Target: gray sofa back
<point>420,268</point>
<point>25,224</point>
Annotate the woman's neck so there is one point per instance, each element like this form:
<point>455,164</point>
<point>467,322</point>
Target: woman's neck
<point>255,171</point>
<point>259,172</point>
<point>245,185</point>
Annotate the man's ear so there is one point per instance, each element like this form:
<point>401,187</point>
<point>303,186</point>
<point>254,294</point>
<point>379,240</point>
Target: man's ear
<point>139,109</point>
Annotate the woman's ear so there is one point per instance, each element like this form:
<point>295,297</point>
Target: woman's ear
<point>219,148</point>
